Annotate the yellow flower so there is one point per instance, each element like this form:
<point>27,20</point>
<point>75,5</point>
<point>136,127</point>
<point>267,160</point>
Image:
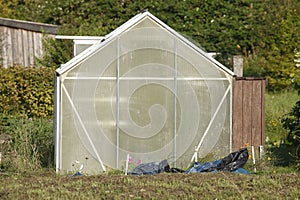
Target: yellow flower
<point>269,158</point>
<point>274,123</point>
<point>247,145</point>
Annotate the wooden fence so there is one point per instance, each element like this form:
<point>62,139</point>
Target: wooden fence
<point>248,112</point>
<point>21,41</point>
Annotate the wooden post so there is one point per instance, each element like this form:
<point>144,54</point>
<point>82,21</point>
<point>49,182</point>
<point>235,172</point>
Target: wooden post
<point>238,66</point>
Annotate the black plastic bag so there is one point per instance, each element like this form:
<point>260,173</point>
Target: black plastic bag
<point>150,168</point>
<point>234,160</point>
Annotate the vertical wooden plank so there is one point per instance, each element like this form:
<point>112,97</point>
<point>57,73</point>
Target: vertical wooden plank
<point>30,48</point>
<point>38,47</point>
<point>263,91</point>
<point>4,41</point>
<point>15,47</point>
<point>247,115</point>
<point>35,44</point>
<point>25,48</point>
<point>256,113</point>
<point>9,48</point>
<point>237,127</point>
<point>20,48</point>
<point>41,44</point>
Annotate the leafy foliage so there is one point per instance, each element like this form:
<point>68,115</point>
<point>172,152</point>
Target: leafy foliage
<point>266,32</point>
<point>6,7</point>
<point>27,91</point>
<point>281,33</point>
<point>58,52</point>
<point>291,121</point>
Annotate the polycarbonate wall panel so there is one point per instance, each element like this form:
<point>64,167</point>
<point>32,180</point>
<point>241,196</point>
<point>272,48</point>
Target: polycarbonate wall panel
<point>146,120</point>
<point>146,94</point>
<point>193,64</point>
<point>72,146</point>
<point>100,64</point>
<point>78,48</point>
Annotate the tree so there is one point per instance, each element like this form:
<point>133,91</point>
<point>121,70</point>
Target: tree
<point>265,32</point>
<point>278,29</point>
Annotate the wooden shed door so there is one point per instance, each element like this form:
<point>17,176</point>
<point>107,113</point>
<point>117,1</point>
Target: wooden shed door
<point>248,112</point>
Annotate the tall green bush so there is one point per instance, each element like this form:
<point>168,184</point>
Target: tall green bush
<point>27,91</point>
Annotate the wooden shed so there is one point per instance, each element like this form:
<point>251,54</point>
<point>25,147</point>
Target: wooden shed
<point>21,41</point>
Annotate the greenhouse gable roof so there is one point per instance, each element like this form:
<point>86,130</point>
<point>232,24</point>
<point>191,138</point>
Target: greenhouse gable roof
<point>123,28</point>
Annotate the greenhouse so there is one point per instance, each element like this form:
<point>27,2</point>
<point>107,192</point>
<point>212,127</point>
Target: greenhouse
<point>143,93</point>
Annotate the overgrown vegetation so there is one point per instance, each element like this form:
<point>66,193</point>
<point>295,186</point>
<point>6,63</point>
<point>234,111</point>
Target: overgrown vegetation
<point>291,121</point>
<point>26,112</point>
<point>26,144</point>
<point>279,148</point>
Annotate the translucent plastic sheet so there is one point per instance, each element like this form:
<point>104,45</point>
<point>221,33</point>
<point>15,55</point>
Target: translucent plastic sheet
<point>148,94</point>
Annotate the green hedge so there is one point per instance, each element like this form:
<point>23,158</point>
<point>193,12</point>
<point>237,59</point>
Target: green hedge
<point>27,91</point>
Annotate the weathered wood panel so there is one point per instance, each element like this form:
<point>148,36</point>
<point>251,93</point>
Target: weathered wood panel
<point>31,55</point>
<point>256,113</point>
<point>20,48</point>
<point>3,35</point>
<point>8,48</point>
<point>38,48</point>
<point>25,48</point>
<point>21,41</point>
<point>238,114</point>
<point>248,112</point>
<point>263,111</point>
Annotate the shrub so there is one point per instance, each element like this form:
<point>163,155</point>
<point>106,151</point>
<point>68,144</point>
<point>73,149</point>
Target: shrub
<point>27,90</point>
<point>291,122</point>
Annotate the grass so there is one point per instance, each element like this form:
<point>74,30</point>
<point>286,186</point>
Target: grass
<point>278,104</point>
<point>221,185</point>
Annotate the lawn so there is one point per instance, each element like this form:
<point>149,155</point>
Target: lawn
<point>221,185</point>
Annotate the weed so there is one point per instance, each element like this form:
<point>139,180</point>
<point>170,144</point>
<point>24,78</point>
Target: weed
<point>28,146</point>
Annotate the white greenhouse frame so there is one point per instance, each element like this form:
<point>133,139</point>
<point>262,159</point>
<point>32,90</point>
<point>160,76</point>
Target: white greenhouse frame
<point>86,54</point>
